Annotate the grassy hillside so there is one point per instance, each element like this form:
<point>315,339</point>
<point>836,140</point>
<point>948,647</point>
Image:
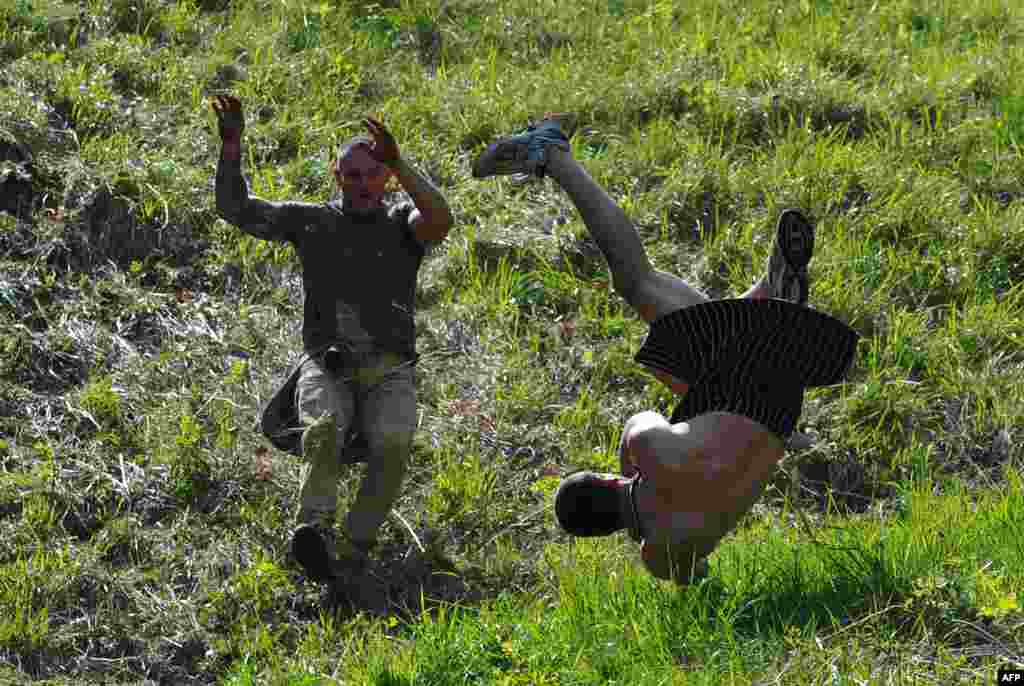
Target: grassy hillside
<point>144,524</point>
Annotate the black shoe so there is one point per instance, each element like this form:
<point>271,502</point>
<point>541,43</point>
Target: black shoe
<point>311,546</point>
<point>787,266</point>
<point>525,153</point>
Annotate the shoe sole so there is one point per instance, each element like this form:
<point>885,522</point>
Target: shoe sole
<point>309,550</point>
<point>795,241</point>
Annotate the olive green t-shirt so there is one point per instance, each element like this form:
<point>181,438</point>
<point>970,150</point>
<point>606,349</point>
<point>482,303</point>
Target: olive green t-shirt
<point>358,271</point>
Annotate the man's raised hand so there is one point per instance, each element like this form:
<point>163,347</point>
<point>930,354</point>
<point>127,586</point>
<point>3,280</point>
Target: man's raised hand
<point>385,148</point>
<point>230,120</point>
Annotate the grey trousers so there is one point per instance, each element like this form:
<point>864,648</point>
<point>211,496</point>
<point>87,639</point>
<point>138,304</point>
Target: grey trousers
<point>376,394</point>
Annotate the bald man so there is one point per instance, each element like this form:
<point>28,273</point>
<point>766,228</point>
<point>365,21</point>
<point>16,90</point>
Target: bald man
<point>360,259</point>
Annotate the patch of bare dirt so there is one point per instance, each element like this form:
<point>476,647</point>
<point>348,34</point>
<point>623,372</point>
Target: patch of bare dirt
<point>16,178</point>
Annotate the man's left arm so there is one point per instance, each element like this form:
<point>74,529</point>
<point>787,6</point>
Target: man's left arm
<point>432,219</point>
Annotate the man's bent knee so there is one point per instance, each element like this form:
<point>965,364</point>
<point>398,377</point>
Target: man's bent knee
<point>393,443</point>
<point>321,436</point>
<point>638,426</point>
<point>645,419</point>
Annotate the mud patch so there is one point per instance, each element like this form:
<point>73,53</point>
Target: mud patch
<point>825,117</point>
<point>855,197</point>
<point>400,581</point>
<point>177,664</point>
<point>980,459</point>
<point>113,232</point>
<point>460,336</point>
<point>843,63</point>
<point>146,331</point>
<point>213,5</point>
<point>16,178</point>
<point>184,657</point>
<point>123,542</point>
<point>43,362</point>
<point>841,482</point>
<point>83,519</point>
<point>40,663</point>
<point>103,226</point>
<point>13,401</point>
<point>154,506</point>
<point>217,494</point>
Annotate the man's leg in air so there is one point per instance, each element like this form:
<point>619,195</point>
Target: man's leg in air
<point>654,292</point>
<point>657,293</point>
<point>650,292</point>
<point>545,149</point>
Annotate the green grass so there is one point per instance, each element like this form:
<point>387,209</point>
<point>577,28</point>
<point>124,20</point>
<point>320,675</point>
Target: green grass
<point>143,523</point>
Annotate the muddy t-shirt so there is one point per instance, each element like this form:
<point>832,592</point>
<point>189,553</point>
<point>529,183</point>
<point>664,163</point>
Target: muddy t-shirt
<point>359,271</point>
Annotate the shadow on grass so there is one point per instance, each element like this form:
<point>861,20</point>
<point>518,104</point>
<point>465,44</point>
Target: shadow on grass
<point>389,678</point>
<point>405,586</point>
<point>853,581</point>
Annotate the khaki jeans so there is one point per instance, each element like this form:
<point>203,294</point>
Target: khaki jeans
<point>378,391</point>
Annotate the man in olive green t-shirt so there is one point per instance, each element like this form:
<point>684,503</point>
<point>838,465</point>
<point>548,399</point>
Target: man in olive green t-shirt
<point>360,258</point>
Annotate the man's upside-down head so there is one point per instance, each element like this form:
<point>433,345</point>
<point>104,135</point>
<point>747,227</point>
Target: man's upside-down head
<point>589,504</point>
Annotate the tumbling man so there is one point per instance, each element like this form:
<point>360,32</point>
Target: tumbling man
<point>360,258</point>
<point>740,367</point>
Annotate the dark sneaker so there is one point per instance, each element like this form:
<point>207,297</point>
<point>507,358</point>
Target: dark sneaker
<point>787,266</point>
<point>324,554</point>
<point>313,546</point>
<point>525,153</point>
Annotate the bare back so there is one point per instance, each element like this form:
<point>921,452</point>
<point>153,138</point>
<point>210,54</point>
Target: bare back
<point>732,454</point>
<point>700,478</point>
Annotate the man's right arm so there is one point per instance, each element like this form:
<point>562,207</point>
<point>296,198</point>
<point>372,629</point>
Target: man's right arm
<point>272,221</point>
<point>275,221</point>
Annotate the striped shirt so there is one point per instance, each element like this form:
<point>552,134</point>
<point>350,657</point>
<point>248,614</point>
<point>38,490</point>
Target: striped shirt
<point>749,357</point>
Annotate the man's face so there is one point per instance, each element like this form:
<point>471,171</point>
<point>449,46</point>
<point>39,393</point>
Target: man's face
<point>361,179</point>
